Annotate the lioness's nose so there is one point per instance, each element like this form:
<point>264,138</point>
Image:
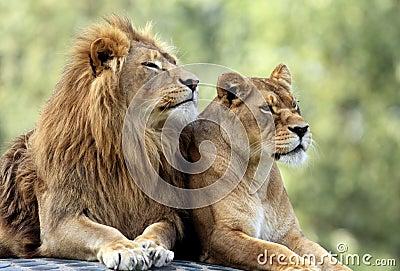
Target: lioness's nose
<point>190,83</point>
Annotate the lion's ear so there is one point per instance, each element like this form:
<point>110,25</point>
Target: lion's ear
<point>105,53</point>
<point>281,75</point>
<point>232,88</point>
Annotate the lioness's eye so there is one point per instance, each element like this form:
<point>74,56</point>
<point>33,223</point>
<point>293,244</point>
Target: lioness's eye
<point>266,108</point>
<point>151,65</point>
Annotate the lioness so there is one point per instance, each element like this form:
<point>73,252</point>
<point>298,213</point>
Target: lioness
<point>254,227</point>
<point>65,190</point>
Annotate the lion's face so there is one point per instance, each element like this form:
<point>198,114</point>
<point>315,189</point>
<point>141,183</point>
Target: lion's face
<point>155,73</point>
<point>258,101</point>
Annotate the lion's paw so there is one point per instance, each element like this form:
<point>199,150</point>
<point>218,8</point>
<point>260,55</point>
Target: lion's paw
<point>158,254</point>
<point>126,255</point>
<point>162,256</point>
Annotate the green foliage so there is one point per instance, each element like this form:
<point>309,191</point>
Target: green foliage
<point>345,61</point>
<point>1,133</point>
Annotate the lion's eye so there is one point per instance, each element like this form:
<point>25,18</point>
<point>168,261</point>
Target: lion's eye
<point>151,65</point>
<point>266,108</point>
<point>297,108</point>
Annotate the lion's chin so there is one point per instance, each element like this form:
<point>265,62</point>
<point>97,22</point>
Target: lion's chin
<point>183,114</point>
<point>294,158</point>
<point>177,116</point>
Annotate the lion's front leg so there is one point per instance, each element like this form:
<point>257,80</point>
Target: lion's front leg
<point>80,238</point>
<point>159,238</point>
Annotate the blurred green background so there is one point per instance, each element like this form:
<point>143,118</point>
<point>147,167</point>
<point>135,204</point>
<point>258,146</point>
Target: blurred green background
<point>345,60</point>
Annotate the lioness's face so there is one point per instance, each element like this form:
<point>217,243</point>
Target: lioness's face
<point>266,105</point>
<point>155,72</point>
<point>292,131</point>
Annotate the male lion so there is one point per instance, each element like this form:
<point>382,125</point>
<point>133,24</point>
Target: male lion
<point>254,227</point>
<point>65,190</point>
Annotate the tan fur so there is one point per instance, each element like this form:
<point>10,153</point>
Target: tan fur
<point>237,230</point>
<point>65,189</point>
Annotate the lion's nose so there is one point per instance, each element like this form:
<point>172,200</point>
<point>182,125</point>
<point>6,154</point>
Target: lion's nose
<point>299,130</point>
<point>190,83</point>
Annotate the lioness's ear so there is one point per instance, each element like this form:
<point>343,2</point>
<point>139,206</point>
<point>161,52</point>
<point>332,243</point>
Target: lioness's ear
<point>281,75</point>
<point>232,88</point>
<point>106,53</point>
